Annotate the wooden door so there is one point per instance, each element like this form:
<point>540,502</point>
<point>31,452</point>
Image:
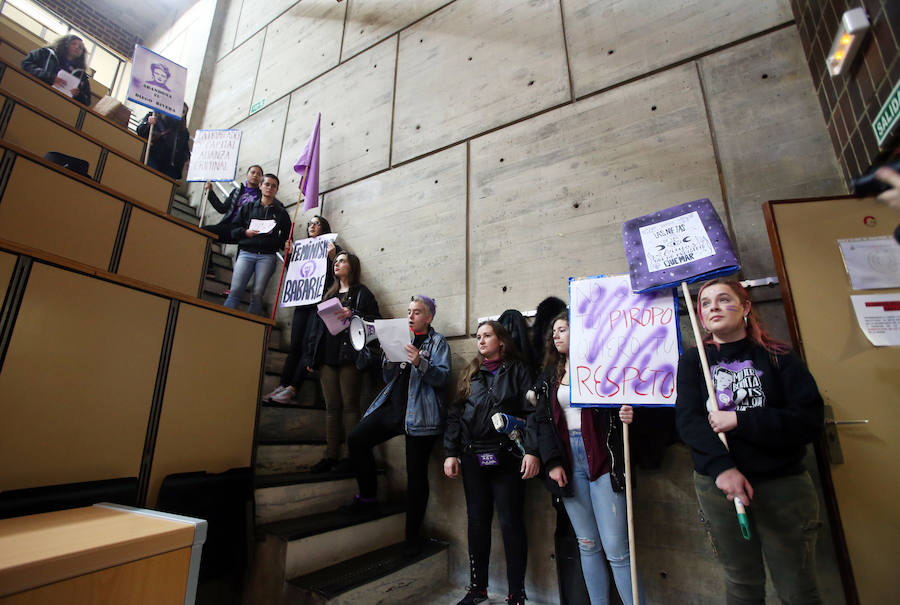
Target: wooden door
<point>858,381</point>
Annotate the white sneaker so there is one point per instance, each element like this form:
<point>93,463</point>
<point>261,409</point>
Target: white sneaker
<point>277,390</point>
<point>286,396</point>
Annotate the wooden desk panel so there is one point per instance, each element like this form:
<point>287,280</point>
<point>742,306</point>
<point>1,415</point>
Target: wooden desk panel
<point>124,141</point>
<point>137,182</point>
<point>37,134</point>
<point>40,96</point>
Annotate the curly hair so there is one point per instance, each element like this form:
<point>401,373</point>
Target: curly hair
<point>61,48</point>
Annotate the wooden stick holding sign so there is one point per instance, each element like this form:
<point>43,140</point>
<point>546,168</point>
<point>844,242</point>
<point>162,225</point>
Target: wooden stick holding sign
<point>680,245</point>
<point>743,522</point>
<point>149,139</point>
<point>623,349</point>
<point>290,239</point>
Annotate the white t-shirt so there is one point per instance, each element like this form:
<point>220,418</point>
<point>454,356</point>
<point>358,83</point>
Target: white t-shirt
<point>573,415</point>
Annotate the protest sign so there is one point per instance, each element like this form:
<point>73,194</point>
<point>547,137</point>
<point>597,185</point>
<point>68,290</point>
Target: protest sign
<point>157,82</point>
<point>623,347</point>
<point>305,279</point>
<point>684,243</point>
<point>214,156</point>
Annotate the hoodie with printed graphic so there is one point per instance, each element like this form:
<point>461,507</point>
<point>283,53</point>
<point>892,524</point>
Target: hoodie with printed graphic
<point>779,410</point>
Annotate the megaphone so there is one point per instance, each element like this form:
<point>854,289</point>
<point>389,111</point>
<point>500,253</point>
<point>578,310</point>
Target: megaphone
<point>362,332</point>
<point>511,426</point>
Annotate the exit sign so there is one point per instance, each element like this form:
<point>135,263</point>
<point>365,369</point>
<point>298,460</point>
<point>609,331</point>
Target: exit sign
<point>887,117</point>
<point>257,106</point>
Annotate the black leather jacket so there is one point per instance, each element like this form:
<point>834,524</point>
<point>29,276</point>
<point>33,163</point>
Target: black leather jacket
<point>469,426</point>
<point>362,302</point>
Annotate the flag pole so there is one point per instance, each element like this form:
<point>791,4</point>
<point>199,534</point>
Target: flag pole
<point>629,508</point>
<point>290,239</point>
<point>707,377</point>
<point>149,138</point>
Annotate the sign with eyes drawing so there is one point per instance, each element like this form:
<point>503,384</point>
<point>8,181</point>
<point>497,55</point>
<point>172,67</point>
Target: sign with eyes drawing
<point>623,347</point>
<point>684,243</point>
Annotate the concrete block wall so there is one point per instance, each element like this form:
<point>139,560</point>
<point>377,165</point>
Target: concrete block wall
<point>483,152</point>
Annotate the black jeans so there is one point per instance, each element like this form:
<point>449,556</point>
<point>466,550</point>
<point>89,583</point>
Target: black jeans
<point>379,426</point>
<point>485,485</point>
<point>294,373</point>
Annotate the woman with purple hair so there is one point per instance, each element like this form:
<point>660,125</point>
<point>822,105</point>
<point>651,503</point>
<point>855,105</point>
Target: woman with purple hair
<point>412,405</point>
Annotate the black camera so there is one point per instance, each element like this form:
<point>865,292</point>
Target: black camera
<point>867,185</point>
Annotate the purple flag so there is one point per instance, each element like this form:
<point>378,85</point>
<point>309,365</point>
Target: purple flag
<point>684,243</point>
<point>308,164</point>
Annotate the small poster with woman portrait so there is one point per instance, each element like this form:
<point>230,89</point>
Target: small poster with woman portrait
<point>157,82</point>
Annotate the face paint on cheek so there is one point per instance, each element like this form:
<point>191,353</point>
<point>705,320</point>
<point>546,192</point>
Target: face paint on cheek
<point>732,308</point>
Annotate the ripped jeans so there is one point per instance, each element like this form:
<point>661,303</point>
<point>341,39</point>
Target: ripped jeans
<point>600,520</point>
<point>784,521</point>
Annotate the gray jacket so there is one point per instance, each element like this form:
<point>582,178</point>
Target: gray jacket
<point>425,411</point>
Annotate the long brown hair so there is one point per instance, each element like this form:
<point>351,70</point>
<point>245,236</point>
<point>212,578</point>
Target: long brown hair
<point>508,352</point>
<point>552,357</point>
<point>755,330</point>
<point>352,279</point>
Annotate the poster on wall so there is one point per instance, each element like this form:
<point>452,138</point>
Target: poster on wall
<point>684,243</point>
<point>623,347</point>
<point>214,156</point>
<point>304,283</point>
<point>157,82</point>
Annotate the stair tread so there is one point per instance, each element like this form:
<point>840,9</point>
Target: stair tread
<point>291,442</point>
<point>358,571</point>
<point>311,525</point>
<point>264,481</point>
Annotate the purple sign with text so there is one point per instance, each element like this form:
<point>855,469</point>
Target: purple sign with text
<point>157,82</point>
<point>684,243</point>
<point>623,347</point>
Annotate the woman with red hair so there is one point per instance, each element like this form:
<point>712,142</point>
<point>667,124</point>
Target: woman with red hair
<point>768,406</point>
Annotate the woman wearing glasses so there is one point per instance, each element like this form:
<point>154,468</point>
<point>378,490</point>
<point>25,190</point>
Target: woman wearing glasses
<point>294,372</point>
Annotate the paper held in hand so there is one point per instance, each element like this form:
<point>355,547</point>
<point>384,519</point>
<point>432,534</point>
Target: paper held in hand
<point>328,310</point>
<point>70,82</point>
<point>262,225</point>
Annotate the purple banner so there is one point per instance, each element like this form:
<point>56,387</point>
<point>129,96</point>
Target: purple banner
<point>684,243</point>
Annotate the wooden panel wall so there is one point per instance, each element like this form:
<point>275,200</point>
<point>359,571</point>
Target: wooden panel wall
<point>37,134</point>
<point>212,390</point>
<point>137,182</point>
<point>124,141</point>
<point>478,43</point>
<point>77,381</point>
<point>7,265</point>
<point>162,253</point>
<point>40,96</point>
<point>80,224</point>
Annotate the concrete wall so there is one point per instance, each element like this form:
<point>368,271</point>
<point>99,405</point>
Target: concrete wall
<point>486,151</point>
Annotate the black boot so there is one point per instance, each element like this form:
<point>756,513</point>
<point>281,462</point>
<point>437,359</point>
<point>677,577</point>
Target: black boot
<point>474,595</point>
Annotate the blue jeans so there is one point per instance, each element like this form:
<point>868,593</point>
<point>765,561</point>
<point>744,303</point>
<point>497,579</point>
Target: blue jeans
<point>600,520</point>
<point>247,265</point>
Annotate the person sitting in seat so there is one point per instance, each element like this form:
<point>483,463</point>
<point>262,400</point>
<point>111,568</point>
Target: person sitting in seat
<point>67,55</point>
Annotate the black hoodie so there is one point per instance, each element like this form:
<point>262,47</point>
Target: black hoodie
<point>779,410</point>
<point>265,243</point>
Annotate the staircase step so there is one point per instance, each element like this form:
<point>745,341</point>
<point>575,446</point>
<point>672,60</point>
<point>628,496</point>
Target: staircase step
<point>222,274</point>
<point>183,205</point>
<point>317,541</point>
<point>287,422</point>
<point>275,360</point>
<point>310,394</point>
<point>287,496</point>
<point>185,216</point>
<point>223,260</point>
<point>381,576</point>
<point>275,457</point>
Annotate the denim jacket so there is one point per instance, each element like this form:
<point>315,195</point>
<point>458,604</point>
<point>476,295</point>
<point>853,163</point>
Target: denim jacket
<point>425,405</point>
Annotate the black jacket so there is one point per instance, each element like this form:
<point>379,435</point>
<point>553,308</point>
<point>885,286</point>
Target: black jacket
<point>169,148</point>
<point>469,426</point>
<point>779,410</point>
<point>265,243</point>
<point>230,203</point>
<point>44,64</point>
<point>543,431</point>
<point>362,302</point>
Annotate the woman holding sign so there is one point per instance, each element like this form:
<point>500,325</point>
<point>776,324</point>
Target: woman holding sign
<point>261,230</point>
<point>492,467</point>
<point>582,450</point>
<point>767,404</point>
<point>335,358</point>
<point>294,372</point>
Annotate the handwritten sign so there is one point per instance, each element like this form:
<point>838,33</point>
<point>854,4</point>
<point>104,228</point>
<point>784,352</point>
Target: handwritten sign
<point>157,82</point>
<point>684,243</point>
<point>623,347</point>
<point>305,280</point>
<point>214,156</point>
